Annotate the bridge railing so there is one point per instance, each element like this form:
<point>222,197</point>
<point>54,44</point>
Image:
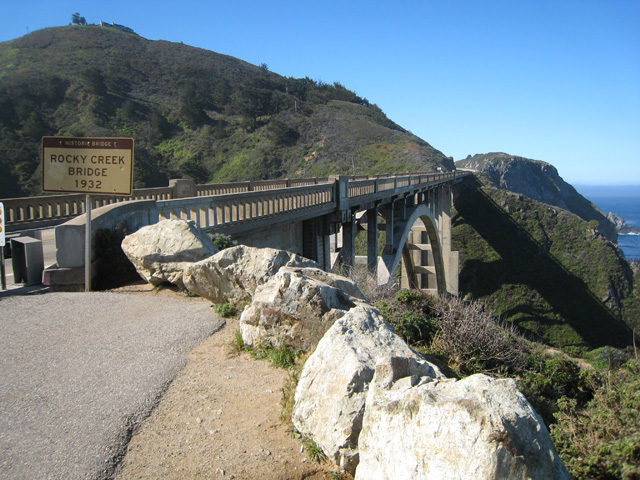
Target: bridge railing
<point>235,208</point>
<point>41,211</point>
<point>211,189</point>
<point>46,210</point>
<point>360,188</point>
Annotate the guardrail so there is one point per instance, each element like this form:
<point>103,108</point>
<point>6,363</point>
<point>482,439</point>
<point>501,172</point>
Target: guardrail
<point>48,210</point>
<point>246,210</point>
<point>371,186</point>
<point>236,208</point>
<point>214,204</point>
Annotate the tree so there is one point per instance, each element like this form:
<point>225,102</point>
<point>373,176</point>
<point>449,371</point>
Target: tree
<point>76,19</point>
<point>93,80</point>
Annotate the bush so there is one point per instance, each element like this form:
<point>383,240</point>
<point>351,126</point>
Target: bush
<point>281,357</point>
<point>225,310</point>
<point>607,358</point>
<point>474,340</point>
<point>602,440</point>
<point>222,241</point>
<point>410,314</point>
<point>550,378</point>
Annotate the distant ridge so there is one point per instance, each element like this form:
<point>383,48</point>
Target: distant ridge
<point>537,180</point>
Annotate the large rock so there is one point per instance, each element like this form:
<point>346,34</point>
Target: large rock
<point>296,307</point>
<point>331,393</point>
<point>160,252</point>
<point>478,427</point>
<point>233,274</point>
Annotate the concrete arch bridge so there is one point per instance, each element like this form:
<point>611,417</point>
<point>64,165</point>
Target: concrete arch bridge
<point>317,218</point>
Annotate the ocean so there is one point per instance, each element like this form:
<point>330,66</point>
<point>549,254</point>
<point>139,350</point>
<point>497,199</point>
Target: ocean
<point>623,201</point>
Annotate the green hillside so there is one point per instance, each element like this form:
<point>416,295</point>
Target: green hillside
<point>193,113</point>
<point>544,269</point>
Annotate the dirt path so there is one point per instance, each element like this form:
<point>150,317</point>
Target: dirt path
<point>219,419</point>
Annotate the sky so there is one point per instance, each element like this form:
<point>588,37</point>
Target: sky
<point>551,80</point>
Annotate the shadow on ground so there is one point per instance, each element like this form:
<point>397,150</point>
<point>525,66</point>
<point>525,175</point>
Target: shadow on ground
<point>546,300</point>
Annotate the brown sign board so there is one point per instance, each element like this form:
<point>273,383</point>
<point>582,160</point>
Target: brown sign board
<point>101,166</point>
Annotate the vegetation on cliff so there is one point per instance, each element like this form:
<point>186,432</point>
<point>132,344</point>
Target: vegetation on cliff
<point>193,113</point>
<point>537,180</point>
<point>545,270</point>
<point>591,407</point>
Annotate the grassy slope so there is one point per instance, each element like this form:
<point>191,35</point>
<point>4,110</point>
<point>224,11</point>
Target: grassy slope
<point>544,269</point>
<point>193,113</point>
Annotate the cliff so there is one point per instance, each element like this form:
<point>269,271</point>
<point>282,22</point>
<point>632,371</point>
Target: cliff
<point>539,181</point>
<point>544,269</point>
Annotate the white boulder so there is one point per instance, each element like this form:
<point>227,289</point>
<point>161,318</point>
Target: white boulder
<point>478,428</point>
<point>331,393</point>
<point>296,307</point>
<point>160,252</point>
<point>233,274</point>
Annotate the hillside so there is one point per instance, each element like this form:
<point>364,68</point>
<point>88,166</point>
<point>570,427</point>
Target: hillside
<point>193,113</point>
<point>539,181</point>
<point>544,269</point>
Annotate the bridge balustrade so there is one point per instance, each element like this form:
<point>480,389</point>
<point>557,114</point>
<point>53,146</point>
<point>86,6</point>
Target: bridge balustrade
<point>46,210</point>
<point>293,194</point>
<point>225,210</point>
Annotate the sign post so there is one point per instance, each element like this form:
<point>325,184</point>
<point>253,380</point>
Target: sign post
<point>93,166</point>
<point>3,273</point>
<point>87,244</point>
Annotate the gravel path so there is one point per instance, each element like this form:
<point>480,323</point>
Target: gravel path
<point>79,371</point>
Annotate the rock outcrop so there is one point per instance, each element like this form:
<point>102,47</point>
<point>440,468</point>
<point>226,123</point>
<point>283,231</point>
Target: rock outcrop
<point>296,307</point>
<point>160,252</point>
<point>424,428</point>
<point>537,180</point>
<point>621,225</point>
<point>331,393</point>
<point>234,273</point>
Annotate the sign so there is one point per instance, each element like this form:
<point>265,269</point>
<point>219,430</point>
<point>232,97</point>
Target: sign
<point>87,165</point>
<point>2,240</point>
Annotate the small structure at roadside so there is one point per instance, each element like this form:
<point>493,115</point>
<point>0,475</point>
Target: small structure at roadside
<point>115,25</point>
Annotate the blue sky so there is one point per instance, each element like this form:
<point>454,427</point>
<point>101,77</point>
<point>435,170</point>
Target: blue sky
<point>557,81</point>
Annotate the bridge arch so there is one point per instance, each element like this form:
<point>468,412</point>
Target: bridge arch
<point>416,241</point>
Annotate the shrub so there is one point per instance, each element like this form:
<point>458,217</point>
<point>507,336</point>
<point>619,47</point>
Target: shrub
<point>281,357</point>
<point>551,377</point>
<point>288,395</point>
<point>602,440</point>
<point>314,451</point>
<point>410,313</point>
<point>225,310</point>
<point>607,358</point>
<point>237,345</point>
<point>222,241</point>
<point>475,341</point>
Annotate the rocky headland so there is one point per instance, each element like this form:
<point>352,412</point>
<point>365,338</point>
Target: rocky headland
<point>537,180</point>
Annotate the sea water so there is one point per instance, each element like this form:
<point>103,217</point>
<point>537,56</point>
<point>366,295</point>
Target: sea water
<point>623,201</point>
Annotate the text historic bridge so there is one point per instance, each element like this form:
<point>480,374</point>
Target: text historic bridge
<point>316,218</point>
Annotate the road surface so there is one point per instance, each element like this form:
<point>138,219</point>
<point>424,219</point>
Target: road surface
<point>79,371</point>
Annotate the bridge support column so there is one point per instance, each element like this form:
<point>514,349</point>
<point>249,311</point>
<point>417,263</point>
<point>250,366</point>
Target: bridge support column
<point>418,263</point>
<point>389,220</point>
<point>349,230</point>
<point>372,242</point>
<point>451,258</point>
<point>316,242</point>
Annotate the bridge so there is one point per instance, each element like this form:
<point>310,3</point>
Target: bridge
<point>404,219</point>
